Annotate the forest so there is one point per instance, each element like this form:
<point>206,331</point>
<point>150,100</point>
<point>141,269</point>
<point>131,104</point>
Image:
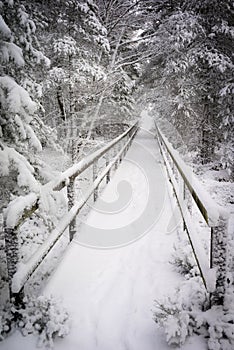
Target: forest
<point>75,74</point>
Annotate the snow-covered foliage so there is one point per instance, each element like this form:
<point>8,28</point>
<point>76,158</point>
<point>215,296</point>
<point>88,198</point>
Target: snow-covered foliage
<point>42,316</point>
<point>76,71</point>
<point>17,113</point>
<point>184,314</point>
<point>178,314</point>
<point>183,259</point>
<point>6,321</point>
<point>65,46</point>
<point>89,11</point>
<point>45,317</point>
<point>187,311</point>
<point>86,81</point>
<point>189,76</point>
<point>22,133</point>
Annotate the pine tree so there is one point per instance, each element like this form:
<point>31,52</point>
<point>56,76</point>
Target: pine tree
<point>190,75</point>
<point>21,130</point>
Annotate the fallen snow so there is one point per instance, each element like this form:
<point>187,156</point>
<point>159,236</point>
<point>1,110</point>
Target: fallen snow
<point>4,29</point>
<point>17,207</point>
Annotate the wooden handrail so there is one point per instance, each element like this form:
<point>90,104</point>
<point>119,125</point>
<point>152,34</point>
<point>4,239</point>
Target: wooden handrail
<point>19,276</point>
<point>26,270</point>
<point>213,268</point>
<point>210,214</point>
<point>58,183</point>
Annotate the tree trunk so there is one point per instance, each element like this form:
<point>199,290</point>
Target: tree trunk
<point>61,102</point>
<point>207,138</point>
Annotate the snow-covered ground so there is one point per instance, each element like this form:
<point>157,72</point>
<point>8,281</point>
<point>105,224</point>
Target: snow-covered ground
<point>119,261</point>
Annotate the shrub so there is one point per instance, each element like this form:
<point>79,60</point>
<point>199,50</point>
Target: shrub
<point>178,314</point>
<point>186,312</point>
<point>6,321</point>
<point>42,316</point>
<point>183,259</point>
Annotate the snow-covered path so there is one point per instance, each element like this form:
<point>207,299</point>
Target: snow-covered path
<point>118,263</point>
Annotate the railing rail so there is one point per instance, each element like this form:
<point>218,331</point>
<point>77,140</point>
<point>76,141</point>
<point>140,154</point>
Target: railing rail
<point>19,276</point>
<point>32,199</point>
<point>213,268</point>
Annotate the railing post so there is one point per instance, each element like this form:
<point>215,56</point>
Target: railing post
<point>95,192</point>
<point>71,202</point>
<point>125,151</point>
<point>107,163</point>
<point>116,162</point>
<point>12,257</point>
<point>71,189</point>
<point>218,259</point>
<point>184,198</point>
<point>120,147</point>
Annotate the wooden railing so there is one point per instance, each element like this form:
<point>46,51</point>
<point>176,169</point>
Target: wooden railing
<point>25,206</point>
<point>212,268</point>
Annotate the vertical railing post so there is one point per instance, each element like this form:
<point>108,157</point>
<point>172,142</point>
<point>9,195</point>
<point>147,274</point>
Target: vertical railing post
<point>107,163</point>
<point>71,202</point>
<point>218,259</point>
<point>173,167</point>
<point>125,150</point>
<point>116,162</point>
<point>12,257</point>
<point>184,198</point>
<point>130,135</point>
<point>71,187</point>
<point>95,171</point>
<point>120,147</point>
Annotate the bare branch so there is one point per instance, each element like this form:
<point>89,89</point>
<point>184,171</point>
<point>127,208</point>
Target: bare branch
<point>123,15</point>
<point>139,39</point>
<point>139,59</point>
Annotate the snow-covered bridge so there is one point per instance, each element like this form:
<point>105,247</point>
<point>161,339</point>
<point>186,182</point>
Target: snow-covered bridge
<point>118,261</point>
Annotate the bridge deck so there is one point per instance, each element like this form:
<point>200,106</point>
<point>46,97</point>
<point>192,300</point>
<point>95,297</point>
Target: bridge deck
<point>118,263</point>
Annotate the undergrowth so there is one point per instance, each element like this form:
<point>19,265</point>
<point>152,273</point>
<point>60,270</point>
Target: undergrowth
<point>187,311</point>
<point>42,316</point>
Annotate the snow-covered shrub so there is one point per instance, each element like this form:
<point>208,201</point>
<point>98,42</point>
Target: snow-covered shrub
<point>175,322</point>
<point>44,317</point>
<point>219,326</point>
<point>178,313</point>
<point>183,259</point>
<point>186,312</point>
<point>6,319</point>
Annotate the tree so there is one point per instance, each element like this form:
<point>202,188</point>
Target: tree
<point>121,19</point>
<point>74,39</point>
<point>21,130</point>
<point>192,65</point>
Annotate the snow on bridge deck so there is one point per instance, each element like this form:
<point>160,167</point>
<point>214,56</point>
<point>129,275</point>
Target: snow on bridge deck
<point>118,263</point>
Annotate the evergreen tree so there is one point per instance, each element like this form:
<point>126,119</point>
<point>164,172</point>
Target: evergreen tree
<point>22,133</point>
<point>190,76</point>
